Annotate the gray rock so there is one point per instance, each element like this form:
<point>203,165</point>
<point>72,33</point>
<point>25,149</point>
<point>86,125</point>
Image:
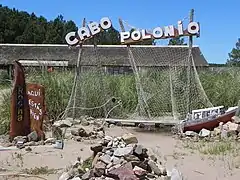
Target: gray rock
<point>123,151</point>
<point>74,132</point>
<point>64,176</point>
<point>153,157</point>
<point>99,169</point>
<point>154,167</point>
<point>50,141</point>
<point>88,175</point>
<point>83,133</point>
<point>110,144</point>
<point>84,122</point>
<point>139,149</point>
<point>76,178</point>
<point>63,123</point>
<point>32,143</point>
<point>130,157</point>
<point>106,159</point>
<point>130,138</point>
<point>108,152</point>
<point>204,133</point>
<point>33,136</point>
<point>20,138</point>
<point>190,133</point>
<point>100,134</point>
<point>108,138</point>
<point>176,175</point>
<point>236,119</point>
<point>115,160</point>
<point>96,148</point>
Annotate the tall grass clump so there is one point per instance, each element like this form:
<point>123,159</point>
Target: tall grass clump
<point>223,86</point>
<point>5,81</point>
<point>58,86</point>
<point>5,112</point>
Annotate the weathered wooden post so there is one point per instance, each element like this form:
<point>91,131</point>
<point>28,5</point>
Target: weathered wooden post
<point>20,116</point>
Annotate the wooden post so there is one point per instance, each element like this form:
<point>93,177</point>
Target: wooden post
<point>189,63</point>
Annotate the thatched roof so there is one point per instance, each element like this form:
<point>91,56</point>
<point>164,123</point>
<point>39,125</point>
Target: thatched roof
<point>106,54</point>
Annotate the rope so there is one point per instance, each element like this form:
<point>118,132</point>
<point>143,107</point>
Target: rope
<point>92,108</point>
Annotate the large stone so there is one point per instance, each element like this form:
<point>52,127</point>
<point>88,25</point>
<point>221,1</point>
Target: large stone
<point>233,126</point>
<point>139,171</point>
<point>130,138</point>
<point>76,178</point>
<point>20,138</point>
<point>31,143</point>
<point>96,148</point>
<point>154,167</point>
<point>236,119</point>
<point>84,122</point>
<point>141,152</point>
<point>88,175</point>
<point>74,132</point>
<point>123,151</point>
<point>96,158</point>
<point>63,123</point>
<point>204,133</point>
<point>50,141</point>
<point>64,176</point>
<point>106,159</point>
<point>176,175</point>
<point>83,133</point>
<point>99,169</point>
<point>115,160</point>
<point>130,157</point>
<point>216,131</point>
<point>190,133</point>
<point>124,172</point>
<point>33,136</point>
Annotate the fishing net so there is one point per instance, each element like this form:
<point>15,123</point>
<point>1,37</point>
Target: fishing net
<point>152,83</point>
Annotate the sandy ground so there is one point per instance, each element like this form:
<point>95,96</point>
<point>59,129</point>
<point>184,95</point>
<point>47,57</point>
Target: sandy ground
<point>168,149</point>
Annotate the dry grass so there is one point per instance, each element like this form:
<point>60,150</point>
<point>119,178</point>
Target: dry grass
<point>226,151</point>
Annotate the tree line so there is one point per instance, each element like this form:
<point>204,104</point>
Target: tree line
<point>21,27</point>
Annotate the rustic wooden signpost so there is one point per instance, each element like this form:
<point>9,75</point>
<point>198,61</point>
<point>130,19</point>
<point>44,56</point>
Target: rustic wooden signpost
<point>20,117</point>
<point>36,99</point>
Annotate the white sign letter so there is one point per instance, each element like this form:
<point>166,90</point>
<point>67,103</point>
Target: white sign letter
<point>169,31</point>
<point>157,33</point>
<point>83,33</point>
<point>180,28</point>
<point>193,28</point>
<point>144,36</point>
<point>94,28</point>
<point>124,35</point>
<point>105,23</point>
<point>71,38</point>
<point>136,35</point>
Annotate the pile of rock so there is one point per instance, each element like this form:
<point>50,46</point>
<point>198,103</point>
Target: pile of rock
<point>84,128</point>
<point>223,131</point>
<point>31,139</point>
<point>119,158</point>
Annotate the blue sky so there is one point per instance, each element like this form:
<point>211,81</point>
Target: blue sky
<point>219,19</point>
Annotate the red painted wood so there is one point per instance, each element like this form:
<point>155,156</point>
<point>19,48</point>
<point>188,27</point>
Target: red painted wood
<point>20,117</point>
<point>36,99</point>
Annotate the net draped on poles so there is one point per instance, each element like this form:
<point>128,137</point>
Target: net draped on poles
<point>157,84</point>
<point>136,82</point>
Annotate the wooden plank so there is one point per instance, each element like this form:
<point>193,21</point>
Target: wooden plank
<point>159,121</point>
